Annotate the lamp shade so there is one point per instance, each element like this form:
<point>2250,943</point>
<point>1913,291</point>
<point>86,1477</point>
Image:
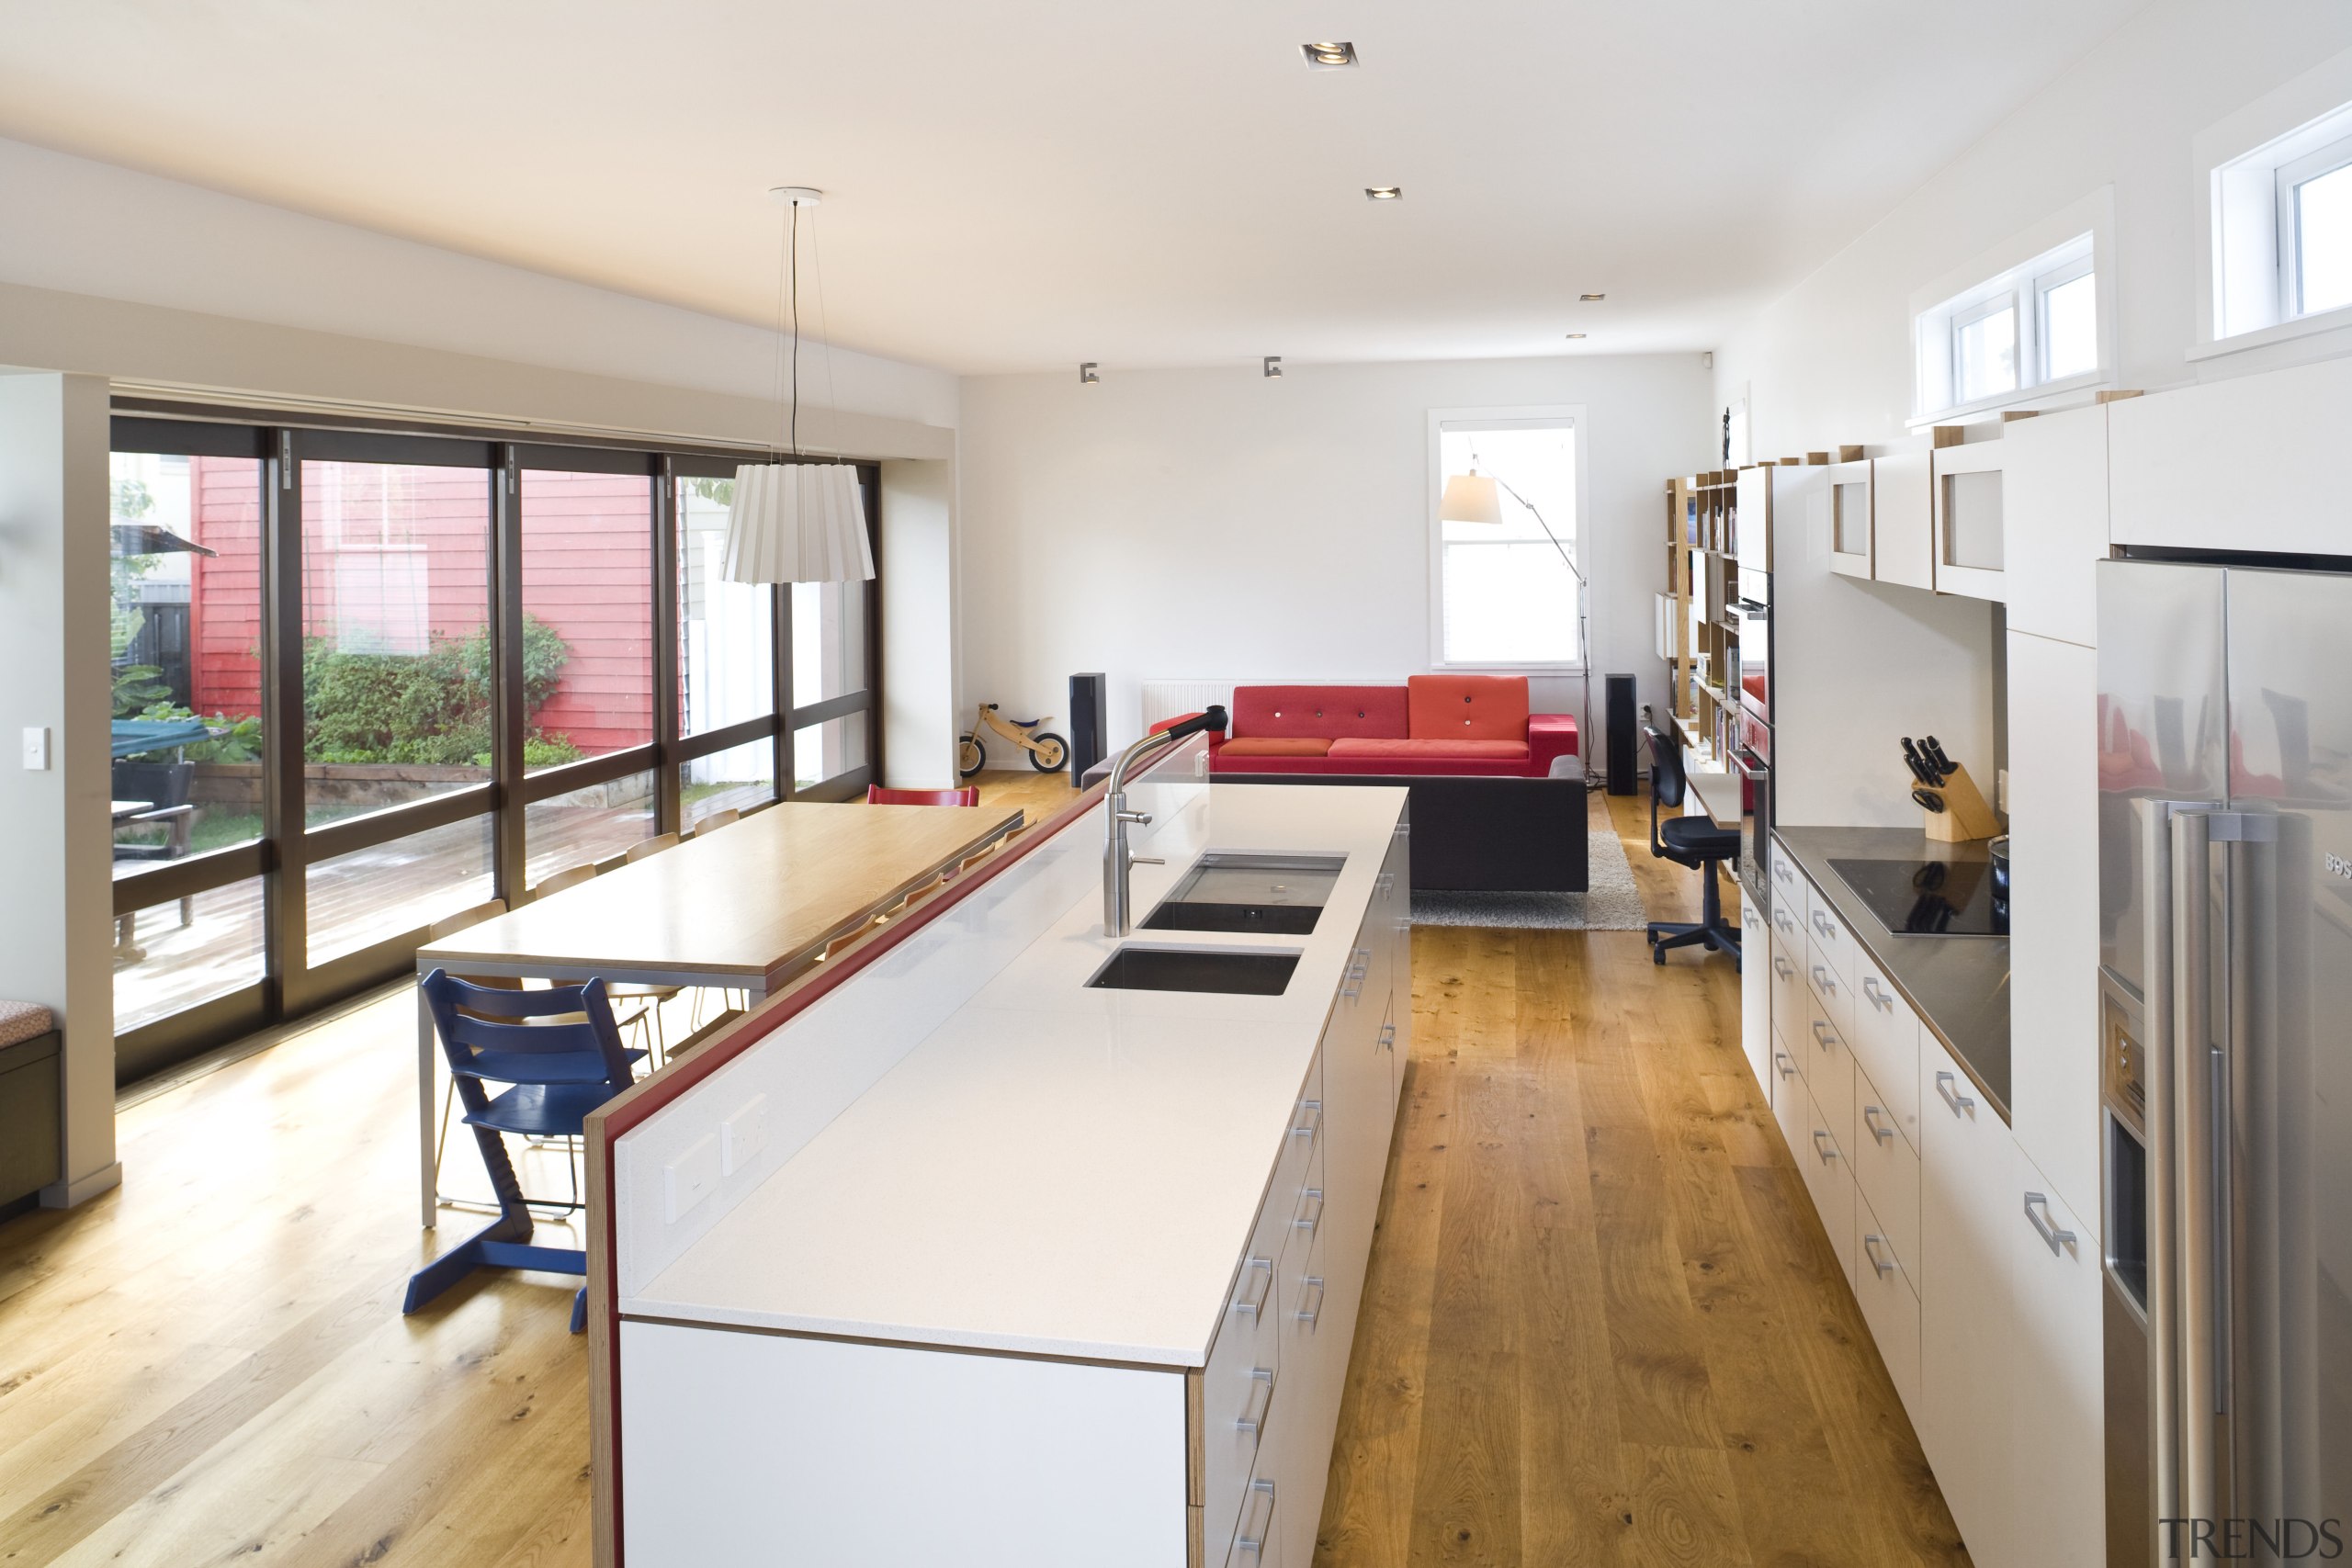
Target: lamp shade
<point>798,523</point>
<point>1470,498</point>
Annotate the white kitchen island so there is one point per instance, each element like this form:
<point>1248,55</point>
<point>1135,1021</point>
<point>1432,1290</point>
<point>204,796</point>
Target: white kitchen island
<point>969,1263</point>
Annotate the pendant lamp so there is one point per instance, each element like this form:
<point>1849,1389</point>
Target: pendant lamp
<point>794,522</point>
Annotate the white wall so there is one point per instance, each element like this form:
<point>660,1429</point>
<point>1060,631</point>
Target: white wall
<point>1215,524</point>
<point>56,946</point>
<point>1831,362</point>
<point>919,719</point>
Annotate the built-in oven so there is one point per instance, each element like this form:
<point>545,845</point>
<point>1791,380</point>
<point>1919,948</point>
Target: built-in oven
<point>1752,760</point>
<point>1753,615</point>
<point>2123,1152</point>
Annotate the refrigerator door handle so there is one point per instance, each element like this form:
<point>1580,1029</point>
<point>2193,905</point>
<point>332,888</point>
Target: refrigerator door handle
<point>2197,1069</point>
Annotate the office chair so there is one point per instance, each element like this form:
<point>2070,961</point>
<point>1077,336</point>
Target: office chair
<point>1694,841</point>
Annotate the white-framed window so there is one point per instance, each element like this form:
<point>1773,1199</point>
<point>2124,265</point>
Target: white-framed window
<point>2277,178</point>
<point>2030,328</point>
<point>1502,593</point>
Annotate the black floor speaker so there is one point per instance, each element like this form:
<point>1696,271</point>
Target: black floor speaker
<point>1624,750</point>
<point>1089,711</point>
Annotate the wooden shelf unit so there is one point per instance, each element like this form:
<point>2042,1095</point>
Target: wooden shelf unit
<point>1702,582</point>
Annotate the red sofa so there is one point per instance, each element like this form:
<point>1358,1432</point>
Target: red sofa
<point>1460,724</point>
<point>1487,812</point>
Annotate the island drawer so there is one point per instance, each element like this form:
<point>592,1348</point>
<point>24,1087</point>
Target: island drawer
<point>1238,1390</point>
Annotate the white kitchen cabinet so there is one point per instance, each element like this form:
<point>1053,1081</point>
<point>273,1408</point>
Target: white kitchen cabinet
<point>2054,912</point>
<point>1971,540</point>
<point>1850,523</point>
<point>2057,1473</point>
<point>1821,1155</point>
<point>1967,1311</point>
<point>2244,464</point>
<point>1890,1301</point>
<point>1829,1071</point>
<point>1886,1170</point>
<point>2055,523</point>
<point>1756,991</point>
<point>1903,519</point>
<point>1885,1042</point>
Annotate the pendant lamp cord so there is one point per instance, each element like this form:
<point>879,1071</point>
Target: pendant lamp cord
<point>787,286</point>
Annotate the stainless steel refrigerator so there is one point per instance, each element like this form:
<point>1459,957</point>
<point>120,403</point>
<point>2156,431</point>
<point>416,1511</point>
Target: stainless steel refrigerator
<point>2225,904</point>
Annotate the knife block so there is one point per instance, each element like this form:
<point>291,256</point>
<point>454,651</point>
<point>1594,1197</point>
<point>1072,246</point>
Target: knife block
<point>1966,818</point>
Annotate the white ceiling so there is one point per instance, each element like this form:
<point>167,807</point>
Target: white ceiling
<point>1022,184</point>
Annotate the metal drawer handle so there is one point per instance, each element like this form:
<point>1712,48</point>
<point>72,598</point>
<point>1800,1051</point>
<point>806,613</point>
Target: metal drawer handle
<point>1821,922</point>
<point>1307,1313</point>
<point>1827,1154</point>
<point>1258,1527</point>
<point>1871,1244</point>
<point>1259,1271</point>
<point>1871,1113</point>
<point>1252,1419</point>
<point>1781,919</point>
<point>1947,1084</point>
<point>1823,1035</point>
<point>1310,1120</point>
<point>1388,1035</point>
<point>1788,1068</point>
<point>1310,1211</point>
<point>2059,1240</point>
<point>1821,978</point>
<point>1783,967</point>
<point>1878,997</point>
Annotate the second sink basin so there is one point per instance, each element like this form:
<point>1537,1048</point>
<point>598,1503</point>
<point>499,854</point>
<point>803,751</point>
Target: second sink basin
<point>1243,973</point>
<point>1280,895</point>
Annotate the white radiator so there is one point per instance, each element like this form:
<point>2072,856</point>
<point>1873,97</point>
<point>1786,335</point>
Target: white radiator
<point>1167,699</point>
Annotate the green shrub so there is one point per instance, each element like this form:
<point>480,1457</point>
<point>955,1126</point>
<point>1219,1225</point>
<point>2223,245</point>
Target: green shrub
<point>431,709</point>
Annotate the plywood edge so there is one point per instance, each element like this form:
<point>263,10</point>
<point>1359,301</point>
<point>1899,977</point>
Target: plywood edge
<point>603,1367</point>
<point>1196,1457</point>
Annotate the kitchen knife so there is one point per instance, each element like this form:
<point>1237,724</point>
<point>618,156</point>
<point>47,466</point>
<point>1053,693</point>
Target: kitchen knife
<point>1919,769</point>
<point>1945,767</point>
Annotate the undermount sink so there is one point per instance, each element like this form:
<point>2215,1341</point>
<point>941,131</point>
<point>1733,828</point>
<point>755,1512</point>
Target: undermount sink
<point>1241,974</point>
<point>1280,895</point>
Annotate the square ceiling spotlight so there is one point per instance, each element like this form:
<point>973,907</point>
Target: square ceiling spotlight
<point>1328,56</point>
<point>1384,193</point>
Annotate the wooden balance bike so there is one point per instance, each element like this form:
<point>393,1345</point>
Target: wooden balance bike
<point>1047,751</point>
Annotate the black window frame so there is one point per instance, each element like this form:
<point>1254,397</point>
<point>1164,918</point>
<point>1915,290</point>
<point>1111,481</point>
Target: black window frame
<point>290,985</point>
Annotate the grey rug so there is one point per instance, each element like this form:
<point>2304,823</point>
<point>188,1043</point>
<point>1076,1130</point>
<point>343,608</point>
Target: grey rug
<point>1610,904</point>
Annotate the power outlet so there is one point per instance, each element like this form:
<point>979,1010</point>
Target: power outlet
<point>742,1135</point>
<point>687,1180</point>
<point>36,749</point>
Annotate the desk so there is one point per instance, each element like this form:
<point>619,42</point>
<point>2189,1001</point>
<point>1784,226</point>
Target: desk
<point>747,906</point>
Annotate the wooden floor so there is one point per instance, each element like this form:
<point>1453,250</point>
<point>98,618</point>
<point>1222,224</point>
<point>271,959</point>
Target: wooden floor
<point>1602,1324</point>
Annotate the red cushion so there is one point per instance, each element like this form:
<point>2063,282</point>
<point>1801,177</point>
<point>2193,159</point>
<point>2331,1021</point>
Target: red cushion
<point>1275,746</point>
<point>1550,736</point>
<point>1422,766</point>
<point>1324,712</point>
<point>1467,708</point>
<point>1434,750</point>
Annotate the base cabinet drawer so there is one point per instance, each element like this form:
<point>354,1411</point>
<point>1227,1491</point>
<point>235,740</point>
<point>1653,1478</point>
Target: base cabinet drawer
<point>1889,1300</point>
<point>1831,991</point>
<point>1789,1105</point>
<point>1828,1069</point>
<point>1823,1159</point>
<point>1887,1168</point>
<point>1789,1003</point>
<point>1885,1041</point>
<point>1825,929</point>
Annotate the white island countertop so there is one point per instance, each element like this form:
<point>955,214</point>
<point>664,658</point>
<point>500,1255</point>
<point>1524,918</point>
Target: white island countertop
<point>1049,1169</point>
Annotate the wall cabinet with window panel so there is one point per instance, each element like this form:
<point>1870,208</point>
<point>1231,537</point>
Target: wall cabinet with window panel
<point>1853,548</point>
<point>1970,544</point>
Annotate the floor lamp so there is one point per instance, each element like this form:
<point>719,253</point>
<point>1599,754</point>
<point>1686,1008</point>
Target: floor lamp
<point>1473,498</point>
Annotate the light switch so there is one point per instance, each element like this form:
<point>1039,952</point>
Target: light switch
<point>37,748</point>
<point>745,1133</point>
<point>688,1179</point>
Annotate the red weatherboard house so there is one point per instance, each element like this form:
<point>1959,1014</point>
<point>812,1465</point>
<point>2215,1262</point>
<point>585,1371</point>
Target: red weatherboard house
<point>394,558</point>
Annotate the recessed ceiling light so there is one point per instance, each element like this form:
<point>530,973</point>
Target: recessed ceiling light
<point>1592,296</point>
<point>1328,56</point>
<point>1384,193</point>
<point>1576,335</point>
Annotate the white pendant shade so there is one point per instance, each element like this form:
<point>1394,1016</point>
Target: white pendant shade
<point>798,523</point>
<point>1470,498</point>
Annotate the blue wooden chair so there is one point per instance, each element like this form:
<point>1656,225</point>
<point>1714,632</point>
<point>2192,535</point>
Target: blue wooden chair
<point>557,1073</point>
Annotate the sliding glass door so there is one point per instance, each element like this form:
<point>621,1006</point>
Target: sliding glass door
<point>364,682</point>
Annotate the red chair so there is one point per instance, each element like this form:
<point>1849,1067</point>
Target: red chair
<point>876,795</point>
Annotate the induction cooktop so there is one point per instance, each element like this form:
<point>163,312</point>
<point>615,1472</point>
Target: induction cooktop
<point>1928,897</point>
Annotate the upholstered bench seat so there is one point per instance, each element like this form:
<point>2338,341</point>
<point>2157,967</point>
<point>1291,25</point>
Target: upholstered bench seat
<point>20,1021</point>
<point>1434,750</point>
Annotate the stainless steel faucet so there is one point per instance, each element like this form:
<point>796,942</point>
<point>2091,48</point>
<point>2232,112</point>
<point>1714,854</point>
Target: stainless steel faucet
<point>1116,857</point>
